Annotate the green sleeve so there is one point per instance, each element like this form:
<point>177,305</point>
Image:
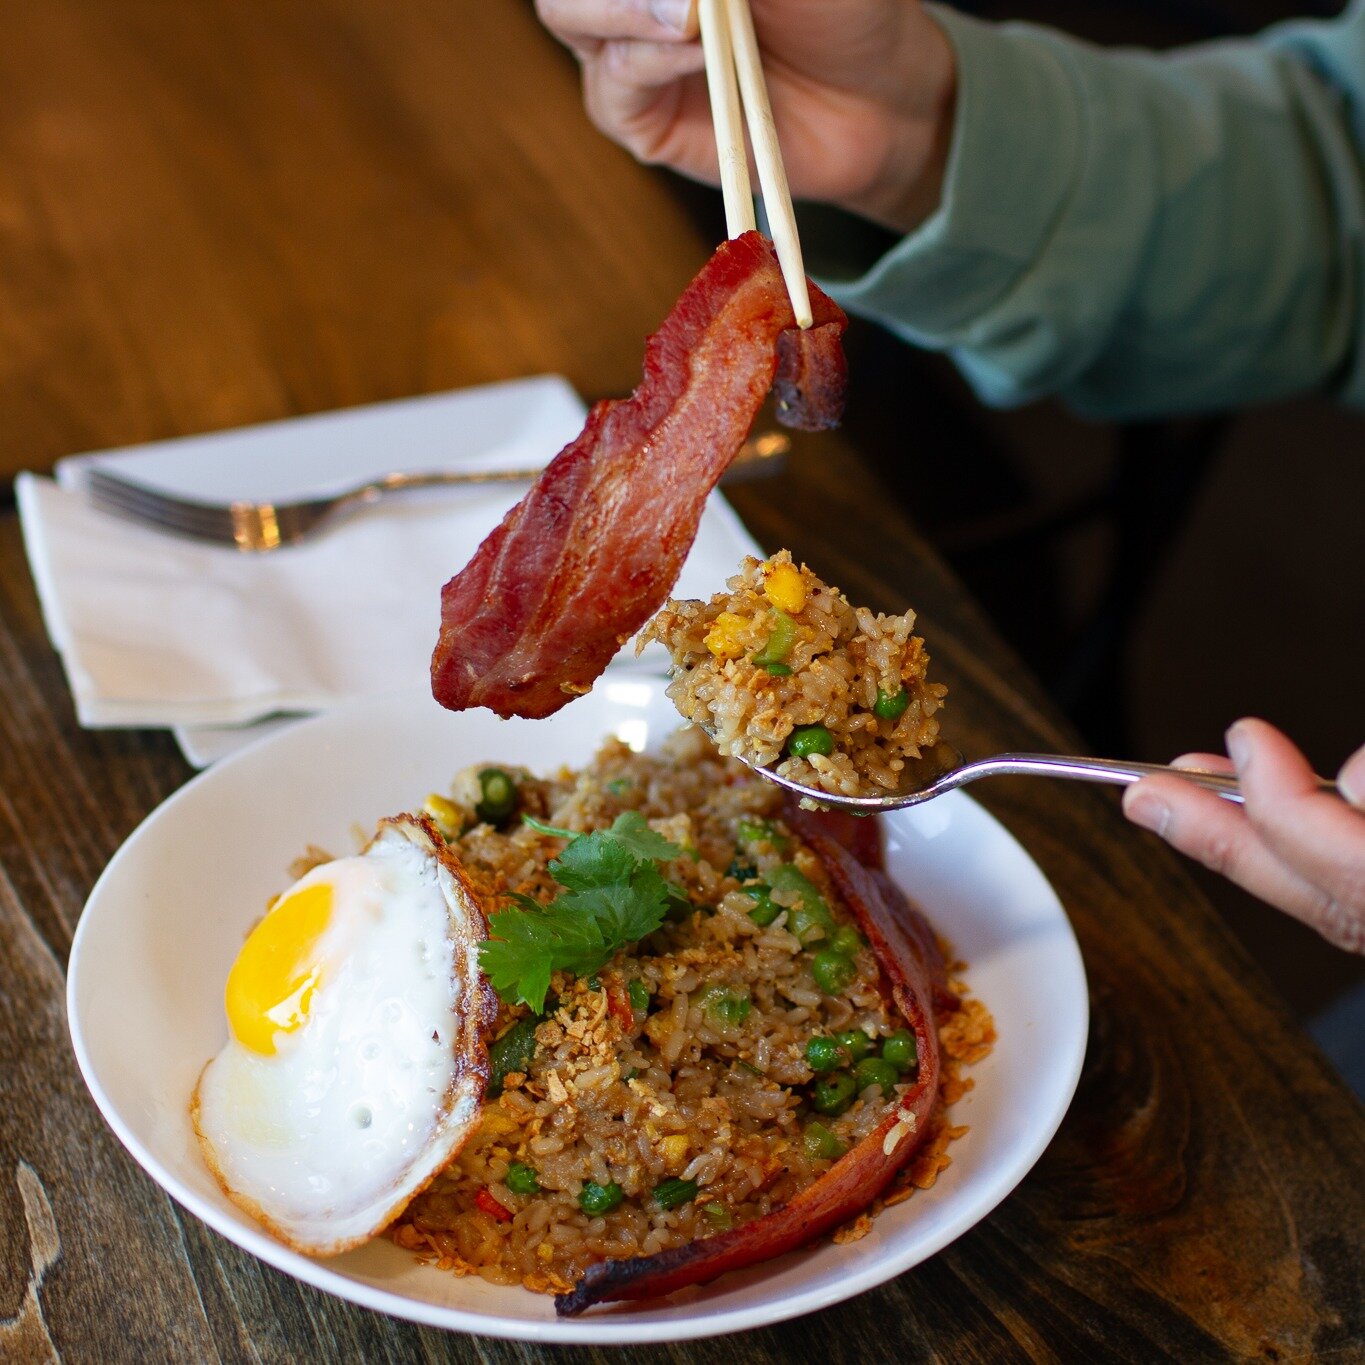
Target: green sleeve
<point>1141,233</point>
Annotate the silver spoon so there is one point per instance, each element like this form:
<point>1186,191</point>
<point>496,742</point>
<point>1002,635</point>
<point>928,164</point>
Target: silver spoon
<point>943,768</point>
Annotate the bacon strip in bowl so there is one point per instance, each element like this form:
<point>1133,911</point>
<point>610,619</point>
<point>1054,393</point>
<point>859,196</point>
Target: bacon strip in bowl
<point>914,979</point>
<point>592,550</point>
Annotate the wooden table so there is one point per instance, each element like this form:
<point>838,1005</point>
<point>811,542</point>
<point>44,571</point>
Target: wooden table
<point>221,213</point>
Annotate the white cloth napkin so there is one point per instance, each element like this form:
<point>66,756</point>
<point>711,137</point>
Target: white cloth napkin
<point>154,630</point>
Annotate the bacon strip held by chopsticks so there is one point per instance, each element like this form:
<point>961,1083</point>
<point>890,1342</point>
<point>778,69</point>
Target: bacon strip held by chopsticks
<point>913,977</point>
<point>592,550</point>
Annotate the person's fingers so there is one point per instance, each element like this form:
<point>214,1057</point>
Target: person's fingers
<point>1209,763</point>
<point>654,122</point>
<point>1351,778</point>
<point>1218,834</point>
<point>1315,833</point>
<point>593,21</point>
<point>648,65</point>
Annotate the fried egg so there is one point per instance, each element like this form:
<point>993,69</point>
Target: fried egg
<point>355,1063</point>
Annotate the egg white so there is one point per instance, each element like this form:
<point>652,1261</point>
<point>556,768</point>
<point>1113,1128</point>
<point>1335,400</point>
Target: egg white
<point>326,1140</point>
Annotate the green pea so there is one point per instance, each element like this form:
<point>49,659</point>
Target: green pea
<point>726,1008</point>
<point>762,832</point>
<point>834,1094</point>
<point>765,908</point>
<point>820,1144</point>
<point>639,995</point>
<point>901,1050</point>
<point>806,740</point>
<point>595,1199</point>
<point>512,1052</point>
<point>497,796</point>
<point>833,971</point>
<point>846,940</point>
<point>674,1192</point>
<point>810,918</point>
<point>875,1071</point>
<point>854,1042</point>
<point>522,1179</point>
<point>823,1054</point>
<point>891,706</point>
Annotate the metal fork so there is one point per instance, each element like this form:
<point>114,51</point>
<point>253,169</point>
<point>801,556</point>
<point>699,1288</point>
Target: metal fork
<point>259,526</point>
<point>943,769</point>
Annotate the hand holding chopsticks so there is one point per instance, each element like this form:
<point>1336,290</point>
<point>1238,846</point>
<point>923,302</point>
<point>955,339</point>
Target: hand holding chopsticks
<point>734,75</point>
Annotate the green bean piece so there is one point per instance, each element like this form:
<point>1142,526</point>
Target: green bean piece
<point>846,940</point>
<point>855,1042</point>
<point>674,1192</point>
<point>806,740</point>
<point>891,706</point>
<point>823,1054</point>
<point>522,1179</point>
<point>498,796</point>
<point>834,1094</point>
<point>833,971</point>
<point>765,908</point>
<point>512,1052</point>
<point>718,1216</point>
<point>639,995</point>
<point>808,926</point>
<point>875,1071</point>
<point>779,643</point>
<point>901,1050</point>
<point>595,1199</point>
<point>779,670</point>
<point>820,1144</point>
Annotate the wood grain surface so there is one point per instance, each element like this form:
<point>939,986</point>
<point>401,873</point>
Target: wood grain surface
<point>220,213</point>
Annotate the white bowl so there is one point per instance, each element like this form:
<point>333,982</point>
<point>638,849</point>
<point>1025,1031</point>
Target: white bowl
<point>165,920</point>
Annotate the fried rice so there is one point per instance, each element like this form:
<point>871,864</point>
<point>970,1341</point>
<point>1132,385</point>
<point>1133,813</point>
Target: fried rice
<point>681,1065</point>
<point>782,671</point>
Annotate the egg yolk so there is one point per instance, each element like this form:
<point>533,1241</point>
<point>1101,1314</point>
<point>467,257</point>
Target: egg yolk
<point>272,982</point>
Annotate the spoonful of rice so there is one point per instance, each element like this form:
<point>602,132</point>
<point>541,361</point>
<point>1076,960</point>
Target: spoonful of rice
<point>832,702</point>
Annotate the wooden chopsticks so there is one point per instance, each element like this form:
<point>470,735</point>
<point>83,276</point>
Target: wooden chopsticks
<point>734,77</point>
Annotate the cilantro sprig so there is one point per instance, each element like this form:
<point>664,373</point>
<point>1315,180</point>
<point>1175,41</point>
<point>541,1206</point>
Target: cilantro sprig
<point>613,894</point>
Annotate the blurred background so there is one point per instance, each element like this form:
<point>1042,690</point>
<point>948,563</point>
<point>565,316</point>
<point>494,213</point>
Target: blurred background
<point>1161,579</point>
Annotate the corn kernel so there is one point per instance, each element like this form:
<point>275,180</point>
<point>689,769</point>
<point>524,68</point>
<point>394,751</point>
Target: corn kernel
<point>445,813</point>
<point>784,588</point>
<point>725,639</point>
<point>674,1149</point>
